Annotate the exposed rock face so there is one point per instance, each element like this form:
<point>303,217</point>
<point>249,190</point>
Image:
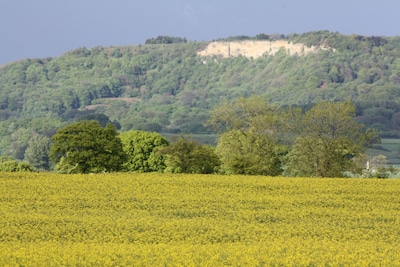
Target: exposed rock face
<point>256,49</point>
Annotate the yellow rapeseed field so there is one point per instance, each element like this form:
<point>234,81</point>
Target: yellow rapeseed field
<point>197,220</point>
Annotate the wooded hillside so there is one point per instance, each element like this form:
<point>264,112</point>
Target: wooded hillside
<point>167,87</point>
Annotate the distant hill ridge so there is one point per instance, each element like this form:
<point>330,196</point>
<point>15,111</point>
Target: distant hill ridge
<point>256,49</point>
<point>164,85</point>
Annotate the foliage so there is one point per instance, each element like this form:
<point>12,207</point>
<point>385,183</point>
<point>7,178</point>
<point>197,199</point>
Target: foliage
<point>142,148</point>
<point>188,156</point>
<point>101,118</point>
<point>166,40</point>
<point>8,164</point>
<point>196,220</point>
<point>262,139</point>
<point>252,143</point>
<point>377,168</point>
<point>168,88</point>
<point>5,158</point>
<point>37,152</point>
<point>86,147</point>
<point>249,153</point>
<point>328,138</point>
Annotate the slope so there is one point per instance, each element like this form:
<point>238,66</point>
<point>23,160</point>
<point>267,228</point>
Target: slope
<point>171,87</point>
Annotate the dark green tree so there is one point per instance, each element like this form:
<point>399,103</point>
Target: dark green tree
<point>328,139</point>
<point>188,156</point>
<point>141,148</point>
<point>86,147</point>
<point>37,152</point>
<point>101,118</point>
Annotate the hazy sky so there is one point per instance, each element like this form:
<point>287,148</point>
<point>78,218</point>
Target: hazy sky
<point>48,28</point>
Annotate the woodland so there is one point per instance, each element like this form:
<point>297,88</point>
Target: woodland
<point>255,139</point>
<point>164,86</point>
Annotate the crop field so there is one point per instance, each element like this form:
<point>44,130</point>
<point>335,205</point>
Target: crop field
<point>389,148</point>
<point>197,220</point>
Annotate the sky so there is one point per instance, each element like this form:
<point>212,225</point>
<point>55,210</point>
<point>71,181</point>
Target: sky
<point>49,28</point>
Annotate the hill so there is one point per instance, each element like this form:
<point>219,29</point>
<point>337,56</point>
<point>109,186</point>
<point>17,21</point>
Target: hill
<point>169,85</point>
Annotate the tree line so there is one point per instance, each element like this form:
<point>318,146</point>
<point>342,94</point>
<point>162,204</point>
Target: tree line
<point>165,86</point>
<point>88,147</point>
<point>256,138</point>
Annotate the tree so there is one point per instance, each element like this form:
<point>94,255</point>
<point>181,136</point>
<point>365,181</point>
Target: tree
<point>328,138</point>
<point>166,40</point>
<point>37,152</point>
<point>250,153</point>
<point>8,164</point>
<point>251,142</point>
<point>101,118</point>
<point>188,156</point>
<point>85,147</point>
<point>142,148</point>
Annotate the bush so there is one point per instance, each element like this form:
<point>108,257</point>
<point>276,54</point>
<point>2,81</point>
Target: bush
<point>15,166</point>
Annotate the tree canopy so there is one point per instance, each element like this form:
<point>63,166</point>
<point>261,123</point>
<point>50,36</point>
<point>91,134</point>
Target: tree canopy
<point>8,164</point>
<point>142,148</point>
<point>251,143</point>
<point>327,140</point>
<point>37,152</point>
<point>170,88</point>
<point>188,156</point>
<point>85,147</point>
<point>259,139</point>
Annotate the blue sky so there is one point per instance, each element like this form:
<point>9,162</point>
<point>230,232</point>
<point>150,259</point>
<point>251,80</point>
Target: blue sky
<point>48,28</point>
